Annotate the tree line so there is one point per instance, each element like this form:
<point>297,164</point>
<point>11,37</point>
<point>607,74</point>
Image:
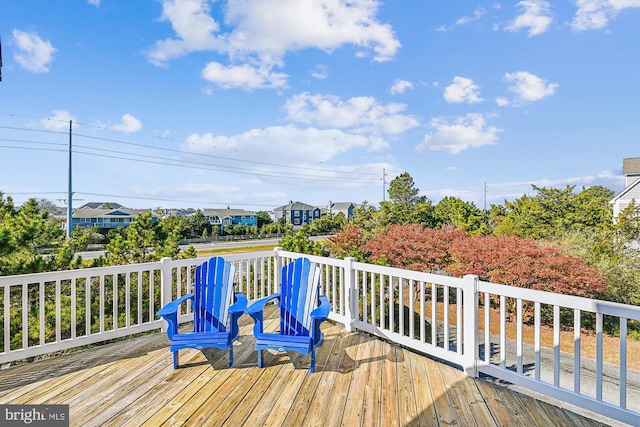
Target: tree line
<point>559,240</point>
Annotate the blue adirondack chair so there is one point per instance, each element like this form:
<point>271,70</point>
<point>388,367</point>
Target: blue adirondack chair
<point>302,310</point>
<point>211,301</point>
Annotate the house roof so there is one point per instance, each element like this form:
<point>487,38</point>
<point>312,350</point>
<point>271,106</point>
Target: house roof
<point>342,206</point>
<point>96,205</point>
<point>108,213</point>
<point>227,212</point>
<point>631,166</point>
<point>296,206</point>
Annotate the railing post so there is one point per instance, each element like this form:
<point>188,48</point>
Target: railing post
<point>470,322</point>
<point>278,268</point>
<point>166,279</point>
<point>351,293</point>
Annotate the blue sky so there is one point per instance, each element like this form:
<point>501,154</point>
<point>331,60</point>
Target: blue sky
<point>252,103</point>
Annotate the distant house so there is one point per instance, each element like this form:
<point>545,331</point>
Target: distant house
<point>222,217</point>
<point>102,205</point>
<point>106,219</point>
<point>631,170</point>
<point>297,213</point>
<point>346,208</point>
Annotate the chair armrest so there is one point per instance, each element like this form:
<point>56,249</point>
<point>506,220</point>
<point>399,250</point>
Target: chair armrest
<point>173,306</point>
<point>322,312</point>
<point>240,305</point>
<point>258,305</point>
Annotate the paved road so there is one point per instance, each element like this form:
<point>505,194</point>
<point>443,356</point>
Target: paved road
<point>208,246</point>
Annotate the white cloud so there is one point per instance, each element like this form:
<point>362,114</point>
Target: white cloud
<point>502,102</point>
<point>536,17</point>
<point>243,76</point>
<point>400,86</point>
<point>283,144</point>
<point>275,27</point>
<point>463,133</point>
<point>462,90</point>
<point>129,124</point>
<point>58,121</point>
<point>477,14</point>
<point>95,3</point>
<point>596,14</point>
<point>361,114</point>
<point>33,53</point>
<point>262,32</point>
<point>319,72</point>
<point>194,28</point>
<point>529,87</point>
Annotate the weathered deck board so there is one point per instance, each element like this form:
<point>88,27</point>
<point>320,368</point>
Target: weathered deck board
<point>359,381</point>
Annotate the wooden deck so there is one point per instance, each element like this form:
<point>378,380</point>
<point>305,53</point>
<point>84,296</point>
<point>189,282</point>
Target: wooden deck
<point>360,381</point>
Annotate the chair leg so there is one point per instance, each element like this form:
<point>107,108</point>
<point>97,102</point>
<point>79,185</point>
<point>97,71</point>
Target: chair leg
<point>313,359</point>
<point>231,354</point>
<point>175,359</point>
<point>259,358</point>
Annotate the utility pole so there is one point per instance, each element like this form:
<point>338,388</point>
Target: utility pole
<point>384,185</point>
<point>69,193</point>
<point>485,196</point>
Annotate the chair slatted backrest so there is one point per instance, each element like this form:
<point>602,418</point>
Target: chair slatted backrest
<point>299,296</point>
<point>213,293</point>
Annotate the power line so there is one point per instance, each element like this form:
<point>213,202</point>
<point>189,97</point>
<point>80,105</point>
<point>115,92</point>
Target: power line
<point>33,130</point>
<point>338,172</point>
<point>214,156</point>
<point>31,148</point>
<point>216,168</point>
<point>170,200</point>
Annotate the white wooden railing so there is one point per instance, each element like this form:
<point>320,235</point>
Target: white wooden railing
<point>434,314</point>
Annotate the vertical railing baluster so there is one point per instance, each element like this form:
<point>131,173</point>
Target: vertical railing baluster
<point>434,310</point>
<point>25,316</point>
<point>503,332</point>
<point>623,363</point>
<point>576,351</point>
<point>58,311</point>
<point>365,292</point>
<point>459,337</point>
<point>116,279</point>
<point>536,339</point>
<point>445,323</point>
<point>73,308</point>
<point>140,285</point>
<point>487,327</point>
<point>519,345</point>
<point>599,356</point>
<point>423,326</point>
<point>392,302</point>
<point>373,298</point>
<point>556,346</point>
<point>87,306</point>
<point>411,294</point>
<point>101,303</point>
<point>7,317</point>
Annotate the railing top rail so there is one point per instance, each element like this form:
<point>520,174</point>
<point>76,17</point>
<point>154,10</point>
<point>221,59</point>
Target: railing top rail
<point>418,276</point>
<point>563,300</point>
<point>80,273</point>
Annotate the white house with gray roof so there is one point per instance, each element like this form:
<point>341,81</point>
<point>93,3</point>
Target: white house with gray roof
<point>631,171</point>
